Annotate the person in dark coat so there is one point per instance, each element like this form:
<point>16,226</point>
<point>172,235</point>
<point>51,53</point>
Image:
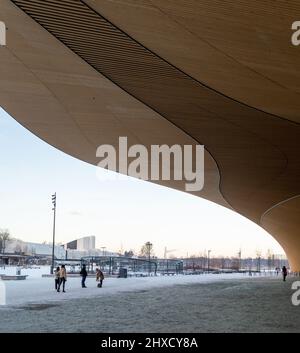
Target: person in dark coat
<point>57,277</point>
<point>284,273</point>
<point>83,274</point>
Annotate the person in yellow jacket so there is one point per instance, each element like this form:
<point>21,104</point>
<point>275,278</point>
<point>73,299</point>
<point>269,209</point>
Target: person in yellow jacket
<point>62,278</point>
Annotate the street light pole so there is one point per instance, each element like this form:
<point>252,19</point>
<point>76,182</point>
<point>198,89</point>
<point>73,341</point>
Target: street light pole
<point>240,259</point>
<point>149,246</point>
<point>54,219</point>
<point>208,252</point>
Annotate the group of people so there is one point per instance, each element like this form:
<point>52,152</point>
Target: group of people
<point>61,277</point>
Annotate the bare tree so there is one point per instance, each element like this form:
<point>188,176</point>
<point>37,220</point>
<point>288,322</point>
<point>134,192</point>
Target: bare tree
<point>129,253</point>
<point>258,259</point>
<point>147,250</point>
<point>4,237</point>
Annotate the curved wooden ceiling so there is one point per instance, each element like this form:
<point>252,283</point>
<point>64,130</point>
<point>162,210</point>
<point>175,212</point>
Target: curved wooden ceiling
<point>243,108</point>
<point>240,48</point>
<point>64,101</point>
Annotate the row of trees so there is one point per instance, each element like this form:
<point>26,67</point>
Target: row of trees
<point>4,238</point>
<point>146,251</point>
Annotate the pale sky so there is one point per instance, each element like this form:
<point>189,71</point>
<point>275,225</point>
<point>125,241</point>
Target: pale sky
<point>120,213</point>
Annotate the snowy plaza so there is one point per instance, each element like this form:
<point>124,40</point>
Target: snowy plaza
<point>179,303</point>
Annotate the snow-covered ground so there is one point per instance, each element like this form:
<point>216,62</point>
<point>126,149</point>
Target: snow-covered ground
<point>38,289</point>
<point>207,303</point>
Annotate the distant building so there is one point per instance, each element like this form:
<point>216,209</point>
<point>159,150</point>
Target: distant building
<point>82,244</point>
<point>45,249</point>
<point>72,245</point>
<point>77,254</point>
<point>18,250</point>
<point>22,248</point>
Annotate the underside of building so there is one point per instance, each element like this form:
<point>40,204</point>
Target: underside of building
<point>80,73</point>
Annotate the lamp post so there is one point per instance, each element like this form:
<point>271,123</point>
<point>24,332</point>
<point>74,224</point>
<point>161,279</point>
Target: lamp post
<point>53,241</point>
<point>149,246</point>
<point>240,259</point>
<point>208,253</point>
<point>103,250</point>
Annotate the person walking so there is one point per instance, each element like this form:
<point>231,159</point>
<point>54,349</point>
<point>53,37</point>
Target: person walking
<point>56,276</point>
<point>83,274</point>
<point>62,278</point>
<point>99,277</point>
<point>284,273</point>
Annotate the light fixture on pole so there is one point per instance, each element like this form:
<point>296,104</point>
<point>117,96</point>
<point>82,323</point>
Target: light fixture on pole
<point>53,241</point>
